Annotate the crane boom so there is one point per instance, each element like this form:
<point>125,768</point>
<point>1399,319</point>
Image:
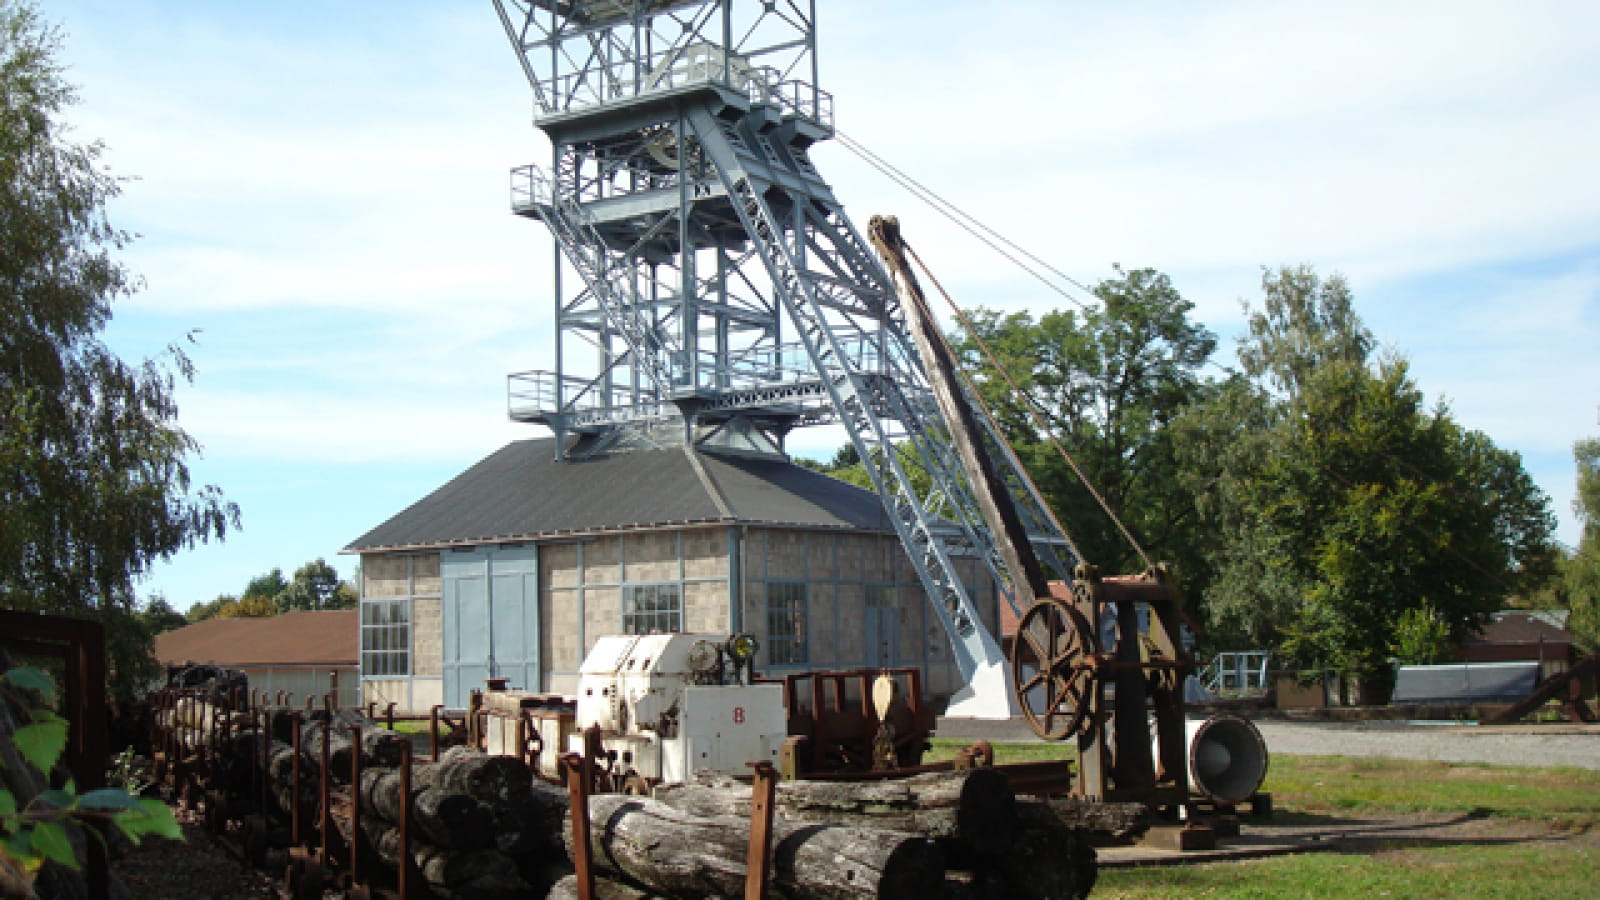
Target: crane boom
<point>999,510</point>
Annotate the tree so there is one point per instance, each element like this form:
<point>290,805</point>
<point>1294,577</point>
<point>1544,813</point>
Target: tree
<point>1304,324</point>
<point>267,586</point>
<point>1110,381</point>
<point>199,612</point>
<point>94,482</point>
<point>316,585</point>
<point>250,607</point>
<point>1356,503</point>
<point>1421,638</point>
<point>1581,570</point>
<point>158,616</point>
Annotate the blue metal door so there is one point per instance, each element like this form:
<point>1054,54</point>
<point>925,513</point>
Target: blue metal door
<point>514,607</point>
<point>491,620</point>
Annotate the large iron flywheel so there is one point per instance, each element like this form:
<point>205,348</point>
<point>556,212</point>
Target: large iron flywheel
<point>1051,669</point>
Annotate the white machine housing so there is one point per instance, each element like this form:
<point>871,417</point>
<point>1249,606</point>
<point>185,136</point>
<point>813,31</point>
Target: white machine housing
<point>667,719</point>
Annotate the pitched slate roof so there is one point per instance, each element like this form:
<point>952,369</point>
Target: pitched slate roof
<point>323,638</point>
<point>522,492</point>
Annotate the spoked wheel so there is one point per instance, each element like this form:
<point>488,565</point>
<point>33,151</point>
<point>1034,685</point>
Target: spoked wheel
<point>1049,675</point>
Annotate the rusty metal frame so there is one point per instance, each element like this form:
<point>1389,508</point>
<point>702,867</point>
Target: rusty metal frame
<point>580,774</point>
<point>758,858</point>
<point>81,645</point>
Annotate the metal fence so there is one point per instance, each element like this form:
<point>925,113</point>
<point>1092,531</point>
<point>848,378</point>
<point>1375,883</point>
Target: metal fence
<point>1236,672</point>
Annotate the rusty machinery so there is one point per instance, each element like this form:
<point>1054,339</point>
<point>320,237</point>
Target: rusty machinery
<point>1096,658</point>
<point>1069,685</point>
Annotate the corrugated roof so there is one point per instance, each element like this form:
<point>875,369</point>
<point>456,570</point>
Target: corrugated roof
<point>324,638</point>
<point>522,492</point>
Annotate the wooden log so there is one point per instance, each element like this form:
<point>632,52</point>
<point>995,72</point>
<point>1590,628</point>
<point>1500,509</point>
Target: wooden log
<point>494,780</point>
<point>240,754</point>
<point>482,873</point>
<point>689,856</point>
<point>533,821</point>
<point>453,820</point>
<point>1049,865</point>
<point>604,889</point>
<point>280,770</point>
<point>1077,814</point>
<point>974,807</point>
<point>449,820</point>
<point>379,746</point>
<point>192,712</point>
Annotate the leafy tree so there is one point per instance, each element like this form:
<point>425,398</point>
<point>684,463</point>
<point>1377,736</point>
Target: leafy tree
<point>199,612</point>
<point>1110,381</point>
<point>266,586</point>
<point>251,607</point>
<point>93,475</point>
<point>316,585</point>
<point>158,616</point>
<point>1352,502</point>
<point>1421,638</point>
<point>1304,324</point>
<point>1581,571</point>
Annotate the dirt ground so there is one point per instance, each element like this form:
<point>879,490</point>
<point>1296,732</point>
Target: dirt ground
<point>200,868</point>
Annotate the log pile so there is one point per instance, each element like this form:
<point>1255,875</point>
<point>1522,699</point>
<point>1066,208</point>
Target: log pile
<point>480,826</point>
<point>679,854</point>
<point>985,842</point>
<point>197,722</point>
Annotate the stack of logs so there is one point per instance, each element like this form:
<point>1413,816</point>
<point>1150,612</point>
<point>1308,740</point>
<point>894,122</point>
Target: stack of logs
<point>956,834</point>
<point>481,826</point>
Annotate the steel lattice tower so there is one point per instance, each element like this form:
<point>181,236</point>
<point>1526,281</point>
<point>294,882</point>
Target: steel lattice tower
<point>721,295</point>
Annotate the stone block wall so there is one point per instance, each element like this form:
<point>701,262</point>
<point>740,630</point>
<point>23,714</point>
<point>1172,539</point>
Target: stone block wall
<point>414,577</point>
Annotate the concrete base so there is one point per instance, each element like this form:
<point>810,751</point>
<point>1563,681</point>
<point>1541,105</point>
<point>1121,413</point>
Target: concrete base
<point>1180,838</point>
<point>986,696</point>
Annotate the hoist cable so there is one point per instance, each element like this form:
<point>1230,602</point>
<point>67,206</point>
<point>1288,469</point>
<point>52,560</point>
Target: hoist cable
<point>966,222</point>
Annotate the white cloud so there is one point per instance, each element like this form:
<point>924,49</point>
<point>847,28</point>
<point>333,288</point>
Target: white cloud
<point>325,191</point>
<point>322,427</point>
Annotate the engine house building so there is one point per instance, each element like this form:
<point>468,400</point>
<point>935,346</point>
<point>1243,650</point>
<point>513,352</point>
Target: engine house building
<point>515,568</point>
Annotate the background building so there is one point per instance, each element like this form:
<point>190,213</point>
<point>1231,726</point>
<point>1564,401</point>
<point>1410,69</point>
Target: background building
<point>304,653</point>
<point>515,567</point>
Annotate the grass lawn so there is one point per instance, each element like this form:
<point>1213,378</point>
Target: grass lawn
<point>413,726</point>
<point>1564,801</point>
<point>1472,870</point>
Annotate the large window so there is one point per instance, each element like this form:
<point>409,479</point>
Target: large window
<point>652,608</point>
<point>385,636</point>
<point>786,623</point>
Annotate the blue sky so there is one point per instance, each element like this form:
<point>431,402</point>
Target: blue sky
<point>322,190</point>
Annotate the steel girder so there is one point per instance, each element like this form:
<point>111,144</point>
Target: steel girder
<point>684,197</point>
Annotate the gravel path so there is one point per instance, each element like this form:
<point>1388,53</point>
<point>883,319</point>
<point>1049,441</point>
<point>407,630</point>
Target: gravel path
<point>1515,745</point>
<point>1545,745</point>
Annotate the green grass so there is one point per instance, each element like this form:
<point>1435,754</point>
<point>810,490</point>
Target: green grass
<point>1564,800</point>
<point>1463,870</point>
<point>1563,797</point>
<point>412,726</point>
<point>947,748</point>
